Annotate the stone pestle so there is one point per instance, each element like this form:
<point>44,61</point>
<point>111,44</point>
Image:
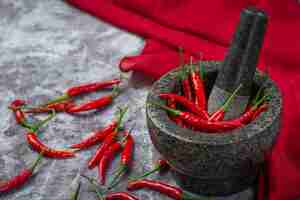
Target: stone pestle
<point>240,63</point>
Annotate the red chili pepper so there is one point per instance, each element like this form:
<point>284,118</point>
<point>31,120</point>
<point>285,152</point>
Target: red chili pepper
<point>109,139</point>
<point>184,79</point>
<point>120,196</point>
<point>97,136</point>
<point>169,190</point>
<point>91,87</point>
<point>99,153</point>
<point>126,158</point>
<point>186,103</point>
<point>20,179</point>
<point>58,107</point>
<point>85,88</point>
<point>199,89</point>
<point>200,124</point>
<point>38,146</point>
<point>19,116</point>
<point>15,106</point>
<point>161,166</point>
<point>220,113</point>
<point>94,104</point>
<point>17,103</point>
<point>107,156</point>
<point>187,90</point>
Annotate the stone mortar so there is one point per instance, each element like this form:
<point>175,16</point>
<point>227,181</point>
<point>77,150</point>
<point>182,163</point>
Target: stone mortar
<point>213,164</point>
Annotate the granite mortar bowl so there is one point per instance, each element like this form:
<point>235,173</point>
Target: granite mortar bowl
<point>209,163</point>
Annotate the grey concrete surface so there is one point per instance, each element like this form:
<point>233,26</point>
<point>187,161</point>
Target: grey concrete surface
<point>45,47</point>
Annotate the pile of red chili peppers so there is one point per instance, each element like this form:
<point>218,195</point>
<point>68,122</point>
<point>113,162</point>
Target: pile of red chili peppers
<point>112,139</point>
<point>187,106</point>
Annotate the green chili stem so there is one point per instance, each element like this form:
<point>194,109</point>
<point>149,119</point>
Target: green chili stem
<point>188,197</point>
<point>95,185</point>
<point>257,96</point>
<point>122,113</point>
<point>229,100</point>
<point>170,110</point>
<point>157,168</point>
<point>58,99</point>
<point>116,180</point>
<point>36,162</point>
<point>260,101</point>
<point>202,71</point>
<point>42,123</point>
<point>75,194</point>
<point>115,91</point>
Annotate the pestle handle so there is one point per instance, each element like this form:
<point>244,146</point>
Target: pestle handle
<point>230,68</point>
<point>251,54</point>
<point>240,63</point>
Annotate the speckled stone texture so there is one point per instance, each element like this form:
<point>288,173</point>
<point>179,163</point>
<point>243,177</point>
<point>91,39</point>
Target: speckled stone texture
<point>46,46</point>
<point>214,164</point>
<point>240,63</point>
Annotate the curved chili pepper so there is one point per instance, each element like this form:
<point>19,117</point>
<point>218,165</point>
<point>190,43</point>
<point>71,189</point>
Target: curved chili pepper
<point>120,196</point>
<point>169,190</point>
<point>220,113</point>
<point>83,89</point>
<point>38,146</point>
<point>98,136</point>
<point>200,124</point>
<point>58,107</point>
<point>20,179</point>
<point>199,89</point>
<point>109,139</point>
<point>161,165</point>
<point>94,104</point>
<point>106,158</point>
<point>15,106</point>
<point>186,103</point>
<point>126,158</point>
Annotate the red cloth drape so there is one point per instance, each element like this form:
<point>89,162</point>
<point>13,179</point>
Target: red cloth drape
<point>207,27</point>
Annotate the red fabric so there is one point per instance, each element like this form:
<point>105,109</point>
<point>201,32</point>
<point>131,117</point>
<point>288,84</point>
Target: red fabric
<point>208,26</point>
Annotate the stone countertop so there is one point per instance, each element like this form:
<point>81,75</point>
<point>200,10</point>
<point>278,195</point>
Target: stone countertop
<point>45,47</point>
